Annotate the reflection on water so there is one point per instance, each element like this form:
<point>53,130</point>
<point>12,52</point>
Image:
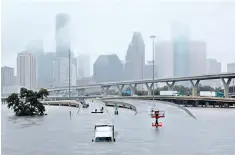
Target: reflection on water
<point>56,133</point>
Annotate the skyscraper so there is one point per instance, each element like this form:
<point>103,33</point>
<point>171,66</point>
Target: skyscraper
<point>197,60</point>
<point>62,35</point>
<point>213,67</point>
<point>135,58</point>
<point>26,70</point>
<point>164,59</point>
<point>36,48</point>
<point>61,72</point>
<point>181,49</point>
<point>83,66</point>
<point>107,68</point>
<point>231,67</point>
<point>7,77</point>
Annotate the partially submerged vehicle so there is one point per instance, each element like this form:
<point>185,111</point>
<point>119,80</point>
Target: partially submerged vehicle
<point>96,111</point>
<point>84,104</point>
<point>104,132</point>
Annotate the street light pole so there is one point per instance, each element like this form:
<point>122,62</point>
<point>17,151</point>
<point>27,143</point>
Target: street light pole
<point>69,71</point>
<point>233,81</point>
<point>153,37</point>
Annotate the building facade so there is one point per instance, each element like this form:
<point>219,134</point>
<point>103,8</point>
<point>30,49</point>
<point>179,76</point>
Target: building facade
<point>164,59</point>
<point>135,58</point>
<point>83,66</point>
<point>107,68</point>
<point>26,70</point>
<point>197,60</point>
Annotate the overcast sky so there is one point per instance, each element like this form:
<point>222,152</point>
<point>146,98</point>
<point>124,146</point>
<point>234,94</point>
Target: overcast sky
<point>106,26</point>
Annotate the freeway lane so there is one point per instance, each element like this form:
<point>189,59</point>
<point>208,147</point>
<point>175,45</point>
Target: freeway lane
<point>211,133</point>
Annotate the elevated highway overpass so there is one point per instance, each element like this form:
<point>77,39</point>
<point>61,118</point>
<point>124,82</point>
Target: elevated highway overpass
<point>194,80</point>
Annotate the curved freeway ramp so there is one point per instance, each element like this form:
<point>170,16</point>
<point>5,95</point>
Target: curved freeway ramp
<point>154,102</point>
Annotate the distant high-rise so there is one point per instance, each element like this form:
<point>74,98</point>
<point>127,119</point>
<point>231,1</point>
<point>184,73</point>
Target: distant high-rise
<point>61,72</point>
<point>197,60</point>
<point>107,68</point>
<point>231,67</point>
<point>83,66</point>
<point>7,77</point>
<point>180,36</point>
<point>47,65</point>
<point>135,58</point>
<point>36,48</point>
<point>213,67</point>
<point>62,35</point>
<point>26,70</point>
<point>164,59</point>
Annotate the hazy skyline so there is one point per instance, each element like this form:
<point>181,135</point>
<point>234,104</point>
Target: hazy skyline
<point>106,27</point>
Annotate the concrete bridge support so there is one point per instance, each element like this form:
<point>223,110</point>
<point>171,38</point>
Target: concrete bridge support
<point>80,91</point>
<point>194,87</point>
<point>226,86</point>
<point>133,89</point>
<point>105,90</point>
<point>57,92</point>
<point>149,89</point>
<point>170,85</point>
<point>120,89</point>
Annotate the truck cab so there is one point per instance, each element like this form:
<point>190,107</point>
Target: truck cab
<point>104,133</point>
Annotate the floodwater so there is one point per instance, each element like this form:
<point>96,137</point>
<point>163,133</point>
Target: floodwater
<point>57,133</point>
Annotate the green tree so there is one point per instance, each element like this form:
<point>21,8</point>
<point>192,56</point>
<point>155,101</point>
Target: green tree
<point>27,102</point>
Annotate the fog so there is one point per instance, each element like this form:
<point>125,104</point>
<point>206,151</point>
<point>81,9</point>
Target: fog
<point>107,26</point>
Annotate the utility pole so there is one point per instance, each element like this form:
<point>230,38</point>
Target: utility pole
<point>69,70</point>
<point>153,37</point>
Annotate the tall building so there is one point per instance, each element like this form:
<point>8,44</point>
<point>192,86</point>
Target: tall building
<point>61,72</point>
<point>231,67</point>
<point>36,48</point>
<point>83,66</point>
<point>107,68</point>
<point>62,35</point>
<point>197,60</point>
<point>181,49</point>
<point>135,58</point>
<point>47,65</point>
<point>148,70</point>
<point>7,77</point>
<point>164,59</point>
<point>212,67</point>
<point>26,70</point>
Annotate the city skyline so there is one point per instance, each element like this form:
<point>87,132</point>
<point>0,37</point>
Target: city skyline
<point>218,32</point>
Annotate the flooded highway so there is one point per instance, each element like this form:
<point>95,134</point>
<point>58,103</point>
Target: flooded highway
<point>56,133</point>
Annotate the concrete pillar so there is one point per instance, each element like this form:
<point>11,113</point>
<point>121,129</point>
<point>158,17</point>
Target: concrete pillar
<point>133,89</point>
<point>80,91</point>
<point>226,86</point>
<point>105,90</point>
<point>170,85</point>
<point>120,89</point>
<point>194,87</point>
<point>149,88</point>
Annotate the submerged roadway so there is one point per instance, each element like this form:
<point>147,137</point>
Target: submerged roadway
<point>211,133</point>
